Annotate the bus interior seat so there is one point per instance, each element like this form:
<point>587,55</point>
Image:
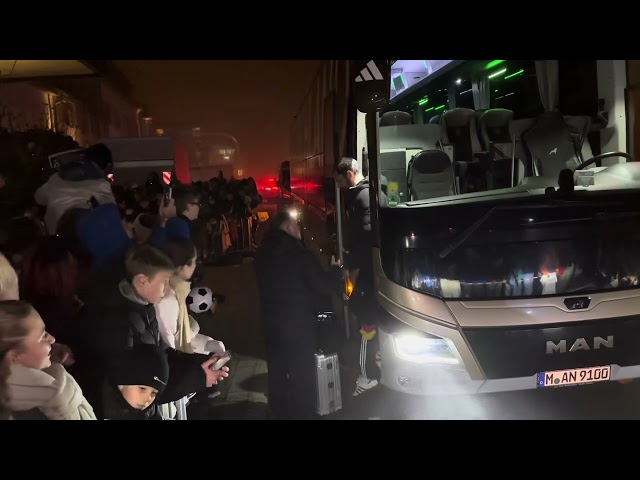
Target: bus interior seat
<point>523,165</point>
<point>395,118</point>
<point>459,130</point>
<point>551,146</point>
<point>431,174</point>
<point>580,126</point>
<point>477,117</point>
<point>495,138</point>
<point>494,127</point>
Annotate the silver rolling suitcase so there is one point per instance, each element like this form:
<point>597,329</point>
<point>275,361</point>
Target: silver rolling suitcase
<point>329,396</point>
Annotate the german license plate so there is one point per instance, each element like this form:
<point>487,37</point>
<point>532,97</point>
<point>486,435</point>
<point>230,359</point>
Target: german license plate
<point>560,378</point>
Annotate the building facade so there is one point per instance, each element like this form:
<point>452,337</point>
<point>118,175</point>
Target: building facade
<point>84,106</point>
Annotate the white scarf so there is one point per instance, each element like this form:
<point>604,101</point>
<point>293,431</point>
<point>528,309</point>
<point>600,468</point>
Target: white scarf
<point>51,390</point>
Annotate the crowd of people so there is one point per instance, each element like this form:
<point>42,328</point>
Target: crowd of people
<point>94,283</point>
<point>226,218</point>
<point>93,287</point>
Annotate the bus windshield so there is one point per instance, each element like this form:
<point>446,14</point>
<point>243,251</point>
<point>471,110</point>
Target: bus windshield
<point>533,247</point>
<point>500,181</point>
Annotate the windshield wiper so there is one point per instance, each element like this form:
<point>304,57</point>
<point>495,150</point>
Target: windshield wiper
<point>460,239</point>
<point>604,216</point>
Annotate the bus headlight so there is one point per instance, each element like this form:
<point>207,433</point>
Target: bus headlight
<point>425,350</point>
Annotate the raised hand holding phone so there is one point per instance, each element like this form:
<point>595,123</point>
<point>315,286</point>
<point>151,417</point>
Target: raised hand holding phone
<point>221,361</point>
<point>214,376</point>
<point>168,195</point>
<point>167,212</point>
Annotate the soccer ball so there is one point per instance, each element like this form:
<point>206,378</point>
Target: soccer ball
<point>200,300</point>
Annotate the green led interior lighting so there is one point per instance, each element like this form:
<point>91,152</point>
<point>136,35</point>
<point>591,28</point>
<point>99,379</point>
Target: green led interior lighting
<point>511,75</point>
<point>493,63</point>
<point>423,101</point>
<point>440,107</point>
<point>429,109</point>
<point>499,72</point>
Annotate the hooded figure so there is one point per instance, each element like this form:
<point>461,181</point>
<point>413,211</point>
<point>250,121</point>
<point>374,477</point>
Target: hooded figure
<point>76,184</point>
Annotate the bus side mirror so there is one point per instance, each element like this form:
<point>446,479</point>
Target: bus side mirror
<point>371,85</point>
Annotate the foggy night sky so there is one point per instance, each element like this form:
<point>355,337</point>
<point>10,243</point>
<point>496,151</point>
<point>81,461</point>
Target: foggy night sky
<point>253,100</point>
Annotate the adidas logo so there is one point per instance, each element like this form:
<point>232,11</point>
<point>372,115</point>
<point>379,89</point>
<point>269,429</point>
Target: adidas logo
<point>367,72</point>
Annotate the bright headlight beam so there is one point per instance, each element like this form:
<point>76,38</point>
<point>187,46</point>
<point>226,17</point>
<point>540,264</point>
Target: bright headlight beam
<point>425,350</point>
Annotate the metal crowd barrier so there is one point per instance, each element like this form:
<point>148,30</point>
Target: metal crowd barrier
<point>226,236</point>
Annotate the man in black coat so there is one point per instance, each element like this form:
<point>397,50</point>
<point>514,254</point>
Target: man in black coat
<point>289,281</point>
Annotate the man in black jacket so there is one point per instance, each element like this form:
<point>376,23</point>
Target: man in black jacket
<point>289,279</point>
<point>123,317</point>
<point>359,263</point>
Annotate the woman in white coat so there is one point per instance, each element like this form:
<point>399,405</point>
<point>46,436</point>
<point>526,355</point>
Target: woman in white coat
<point>177,328</point>
<point>31,385</point>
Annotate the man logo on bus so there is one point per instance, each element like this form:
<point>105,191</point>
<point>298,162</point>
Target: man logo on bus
<point>579,344</point>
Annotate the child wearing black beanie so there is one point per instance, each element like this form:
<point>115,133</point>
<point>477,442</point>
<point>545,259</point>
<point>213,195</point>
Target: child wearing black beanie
<point>134,378</point>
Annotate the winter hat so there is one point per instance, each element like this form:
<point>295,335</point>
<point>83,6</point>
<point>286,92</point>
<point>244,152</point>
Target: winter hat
<point>141,365</point>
